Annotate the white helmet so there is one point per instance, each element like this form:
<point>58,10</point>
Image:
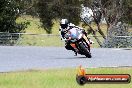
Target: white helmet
<point>64,23</point>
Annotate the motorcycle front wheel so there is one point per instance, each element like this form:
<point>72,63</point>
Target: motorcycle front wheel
<point>85,50</point>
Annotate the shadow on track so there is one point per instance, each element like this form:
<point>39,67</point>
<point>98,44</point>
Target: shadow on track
<point>83,57</point>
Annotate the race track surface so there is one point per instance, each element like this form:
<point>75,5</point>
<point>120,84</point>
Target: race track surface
<point>17,58</point>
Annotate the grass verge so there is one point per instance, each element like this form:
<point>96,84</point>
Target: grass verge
<point>57,78</point>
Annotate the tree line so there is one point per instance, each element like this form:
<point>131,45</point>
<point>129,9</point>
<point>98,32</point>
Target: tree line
<point>114,11</point>
<point>48,10</point>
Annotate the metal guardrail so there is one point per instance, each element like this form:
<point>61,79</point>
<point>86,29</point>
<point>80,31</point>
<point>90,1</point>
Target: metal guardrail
<point>15,38</point>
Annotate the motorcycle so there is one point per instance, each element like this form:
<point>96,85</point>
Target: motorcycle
<point>75,36</point>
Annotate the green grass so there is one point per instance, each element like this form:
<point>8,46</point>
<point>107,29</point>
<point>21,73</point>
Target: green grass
<point>38,39</point>
<point>57,78</point>
<point>35,26</point>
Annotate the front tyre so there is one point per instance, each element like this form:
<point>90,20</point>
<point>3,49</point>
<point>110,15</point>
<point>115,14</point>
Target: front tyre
<point>85,50</point>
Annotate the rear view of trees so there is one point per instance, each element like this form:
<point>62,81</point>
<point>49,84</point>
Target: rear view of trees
<point>117,14</point>
<point>9,10</point>
<point>57,9</point>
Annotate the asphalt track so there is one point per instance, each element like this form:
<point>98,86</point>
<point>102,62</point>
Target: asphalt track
<point>17,58</point>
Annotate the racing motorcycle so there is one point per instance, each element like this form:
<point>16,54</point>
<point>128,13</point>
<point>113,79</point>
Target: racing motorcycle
<point>75,36</point>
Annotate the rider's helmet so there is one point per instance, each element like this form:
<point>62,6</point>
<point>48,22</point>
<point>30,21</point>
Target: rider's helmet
<point>64,24</point>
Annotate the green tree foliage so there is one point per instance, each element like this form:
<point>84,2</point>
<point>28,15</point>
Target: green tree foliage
<point>28,7</point>
<point>54,9</point>
<point>117,6</point>
<point>9,10</point>
<point>115,12</point>
<point>118,16</point>
<point>57,9</point>
<point>128,11</point>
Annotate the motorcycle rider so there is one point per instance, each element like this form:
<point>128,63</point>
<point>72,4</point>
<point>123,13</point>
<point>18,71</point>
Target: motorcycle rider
<point>65,25</point>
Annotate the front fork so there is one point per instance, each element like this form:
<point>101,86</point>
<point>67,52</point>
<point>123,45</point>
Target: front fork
<point>87,42</point>
<point>86,39</point>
